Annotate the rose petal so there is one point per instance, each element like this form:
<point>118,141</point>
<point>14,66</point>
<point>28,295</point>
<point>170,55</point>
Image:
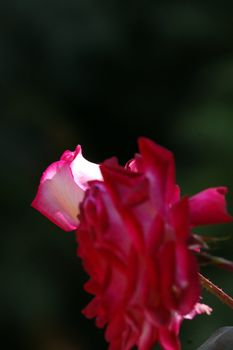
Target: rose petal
<point>180,219</point>
<point>83,170</point>
<point>62,188</point>
<point>169,339</point>
<point>158,164</point>
<point>58,196</point>
<point>209,207</point>
<point>198,310</point>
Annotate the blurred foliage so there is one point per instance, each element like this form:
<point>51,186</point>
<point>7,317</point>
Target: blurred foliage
<point>101,73</point>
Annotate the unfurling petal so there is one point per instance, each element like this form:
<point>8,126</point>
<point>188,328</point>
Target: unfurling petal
<point>62,188</point>
<point>58,196</point>
<point>209,207</point>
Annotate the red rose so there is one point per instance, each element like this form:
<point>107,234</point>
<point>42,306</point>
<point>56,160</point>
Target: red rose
<point>133,239</point>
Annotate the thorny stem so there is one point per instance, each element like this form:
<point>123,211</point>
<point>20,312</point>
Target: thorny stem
<point>213,289</point>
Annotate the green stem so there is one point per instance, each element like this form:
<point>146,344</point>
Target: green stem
<point>213,289</point>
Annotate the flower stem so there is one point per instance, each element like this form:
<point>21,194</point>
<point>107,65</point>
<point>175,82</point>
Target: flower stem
<point>213,289</point>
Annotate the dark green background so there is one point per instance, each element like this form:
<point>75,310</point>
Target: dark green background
<point>102,73</point>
